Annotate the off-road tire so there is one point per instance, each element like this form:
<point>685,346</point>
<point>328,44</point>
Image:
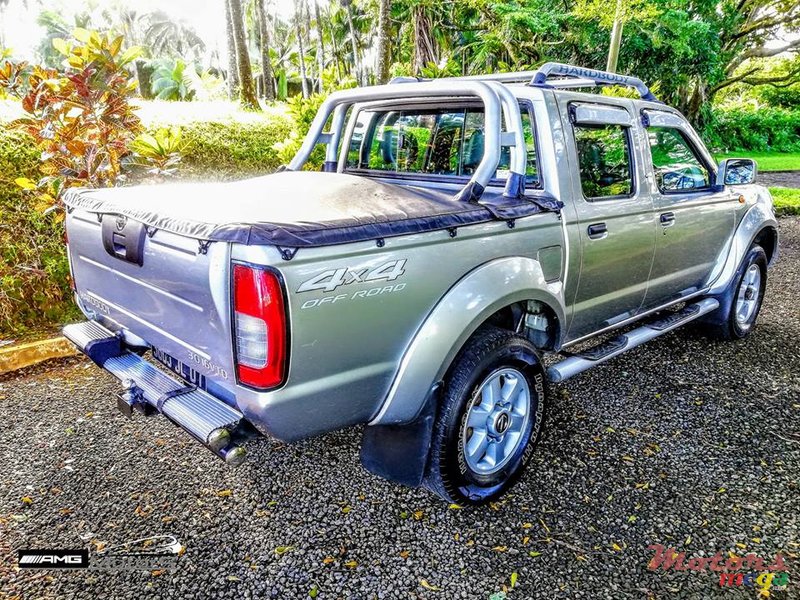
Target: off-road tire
<point>732,328</point>
<point>488,350</point>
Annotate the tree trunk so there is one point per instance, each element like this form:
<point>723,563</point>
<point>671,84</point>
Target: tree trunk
<point>353,44</point>
<point>266,65</point>
<point>247,91</point>
<point>307,19</point>
<point>320,45</point>
<point>233,74</point>
<point>425,50</point>
<point>616,39</point>
<point>384,50</point>
<point>299,27</point>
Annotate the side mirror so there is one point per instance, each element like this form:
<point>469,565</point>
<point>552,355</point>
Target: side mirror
<point>736,171</point>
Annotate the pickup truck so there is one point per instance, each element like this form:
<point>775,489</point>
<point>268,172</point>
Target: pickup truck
<point>465,243</point>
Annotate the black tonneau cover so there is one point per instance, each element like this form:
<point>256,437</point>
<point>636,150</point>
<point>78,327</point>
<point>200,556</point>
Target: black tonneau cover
<point>300,209</point>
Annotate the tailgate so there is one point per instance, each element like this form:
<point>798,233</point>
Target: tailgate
<point>170,290</point>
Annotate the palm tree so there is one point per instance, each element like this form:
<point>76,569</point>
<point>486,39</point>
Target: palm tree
<point>266,64</point>
<point>233,72</point>
<point>247,91</point>
<point>347,4</point>
<point>384,51</point>
<point>168,37</point>
<point>298,18</point>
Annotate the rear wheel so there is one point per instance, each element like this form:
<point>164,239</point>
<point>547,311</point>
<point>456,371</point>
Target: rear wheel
<point>490,418</point>
<point>748,297</point>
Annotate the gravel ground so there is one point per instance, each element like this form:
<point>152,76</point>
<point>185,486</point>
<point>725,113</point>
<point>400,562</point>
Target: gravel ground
<point>780,178</point>
<point>684,442</point>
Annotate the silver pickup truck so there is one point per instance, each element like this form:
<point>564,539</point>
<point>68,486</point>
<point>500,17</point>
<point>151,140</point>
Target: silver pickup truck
<point>459,231</point>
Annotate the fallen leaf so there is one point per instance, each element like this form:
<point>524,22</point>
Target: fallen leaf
<point>500,548</point>
<point>405,554</point>
<point>455,507</point>
<point>534,554</point>
<point>27,500</point>
<point>527,525</point>
<point>158,572</point>
<point>328,560</point>
<point>224,493</point>
<point>616,547</point>
<point>514,578</point>
<point>283,549</point>
<point>404,515</point>
<point>346,509</point>
<point>424,583</point>
<point>351,564</point>
<point>418,515</point>
<point>525,540</point>
<point>232,578</point>
<point>312,593</point>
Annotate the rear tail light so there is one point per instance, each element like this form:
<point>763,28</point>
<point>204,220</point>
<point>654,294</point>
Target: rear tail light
<point>259,326</point>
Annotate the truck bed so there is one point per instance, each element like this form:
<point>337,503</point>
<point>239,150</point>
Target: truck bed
<point>327,209</point>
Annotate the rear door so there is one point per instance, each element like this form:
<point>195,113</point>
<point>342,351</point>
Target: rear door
<point>614,211</point>
<point>695,224</point>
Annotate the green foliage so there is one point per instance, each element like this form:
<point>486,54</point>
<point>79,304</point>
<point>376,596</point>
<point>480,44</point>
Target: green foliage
<point>172,80</point>
<point>34,274</point>
<point>787,201</point>
<point>159,152</point>
<point>79,119</point>
<point>302,112</point>
<point>764,129</point>
<point>232,149</point>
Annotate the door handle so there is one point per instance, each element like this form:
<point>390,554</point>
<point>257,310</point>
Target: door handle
<point>667,219</point>
<point>597,231</point>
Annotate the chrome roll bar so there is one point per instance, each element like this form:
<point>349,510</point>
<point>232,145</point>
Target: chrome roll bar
<point>339,102</point>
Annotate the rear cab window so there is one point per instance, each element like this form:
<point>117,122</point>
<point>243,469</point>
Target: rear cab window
<point>439,143</point>
<point>604,160</point>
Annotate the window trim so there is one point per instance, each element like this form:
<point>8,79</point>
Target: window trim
<point>698,155</point>
<point>537,184</point>
<point>631,161</point>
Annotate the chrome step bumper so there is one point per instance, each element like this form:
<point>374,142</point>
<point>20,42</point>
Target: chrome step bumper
<point>147,389</point>
<point>649,330</point>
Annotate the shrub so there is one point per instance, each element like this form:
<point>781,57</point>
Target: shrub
<point>231,149</point>
<point>80,120</point>
<point>34,275</point>
<point>759,130</point>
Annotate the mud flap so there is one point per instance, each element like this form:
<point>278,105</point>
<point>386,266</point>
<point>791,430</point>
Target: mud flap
<point>399,453</point>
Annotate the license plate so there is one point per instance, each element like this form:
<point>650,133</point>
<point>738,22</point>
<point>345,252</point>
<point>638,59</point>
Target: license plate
<point>185,372</point>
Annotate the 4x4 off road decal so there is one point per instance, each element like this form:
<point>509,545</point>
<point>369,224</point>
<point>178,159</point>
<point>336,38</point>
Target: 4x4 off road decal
<point>329,280</point>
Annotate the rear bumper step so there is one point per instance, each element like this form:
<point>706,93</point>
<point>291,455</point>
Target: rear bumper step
<point>649,330</point>
<point>148,389</point>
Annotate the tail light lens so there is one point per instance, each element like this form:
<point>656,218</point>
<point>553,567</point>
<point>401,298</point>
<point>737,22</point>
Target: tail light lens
<point>259,326</point>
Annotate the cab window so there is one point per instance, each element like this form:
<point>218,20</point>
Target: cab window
<point>436,142</point>
<point>604,160</point>
<point>676,164</point>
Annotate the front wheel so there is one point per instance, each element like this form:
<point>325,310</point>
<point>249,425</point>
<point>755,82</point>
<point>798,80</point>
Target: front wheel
<point>490,418</point>
<point>748,295</point>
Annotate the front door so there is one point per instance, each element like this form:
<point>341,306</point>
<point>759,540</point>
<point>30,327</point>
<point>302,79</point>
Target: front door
<point>694,223</point>
<point>615,215</point>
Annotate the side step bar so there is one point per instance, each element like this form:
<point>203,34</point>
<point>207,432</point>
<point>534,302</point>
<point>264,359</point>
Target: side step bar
<point>148,389</point>
<point>622,343</point>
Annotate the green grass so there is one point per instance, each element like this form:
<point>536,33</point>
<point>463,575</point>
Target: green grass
<point>768,161</point>
<point>787,201</point>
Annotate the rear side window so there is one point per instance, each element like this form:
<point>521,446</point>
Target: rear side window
<point>444,142</point>
<point>676,164</point>
<point>604,159</point>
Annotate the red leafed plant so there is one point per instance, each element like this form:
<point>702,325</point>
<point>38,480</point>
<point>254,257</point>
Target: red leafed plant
<point>80,119</point>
